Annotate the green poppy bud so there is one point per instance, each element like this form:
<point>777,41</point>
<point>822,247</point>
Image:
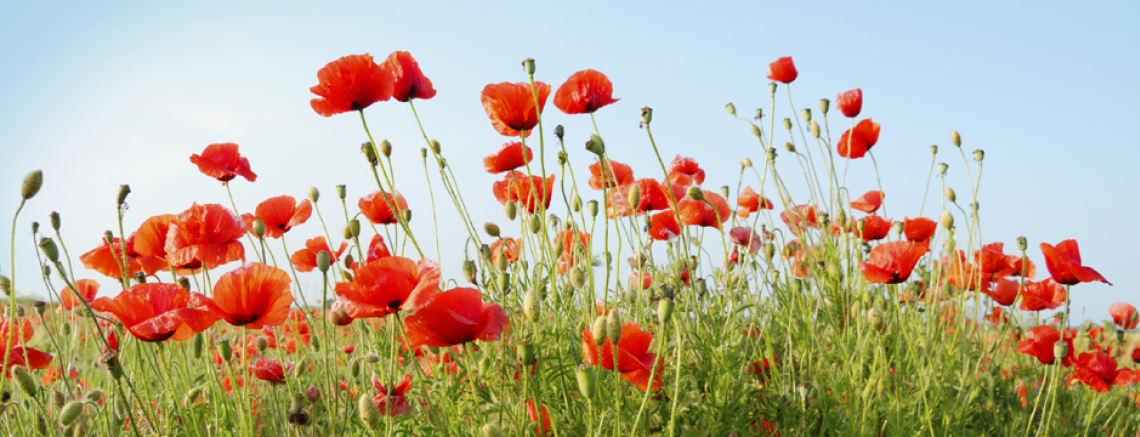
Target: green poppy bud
<point>897,227</point>
<point>25,381</point>
<point>577,277</point>
<point>613,326</point>
<point>535,224</point>
<point>528,66</point>
<point>806,115</point>
<point>66,329</point>
<point>423,152</point>
<point>121,196</point>
<point>503,281</point>
<point>695,193</point>
<point>934,149</point>
<point>646,115</point>
<point>701,287</point>
<point>592,208</point>
<point>979,155</point>
<point>32,184</point>
<point>314,194</point>
<point>370,154</point>
<point>815,132</point>
<point>491,229</point>
<point>950,195</point>
<point>746,162</point>
<point>485,250</point>
<point>501,263</point>
<point>58,399</point>
<point>587,380</point>
<point>947,220</point>
<point>511,209</point>
<point>225,350</point>
<point>635,196</point>
<point>598,330</point>
<point>95,395</point>
<point>47,246</point>
<point>435,147</point>
<point>53,218</point>
<point>875,319</point>
<point>559,132</point>
<point>562,158</point>
<point>771,154</point>
<point>41,425</point>
<point>596,145</point>
<point>296,403</point>
<point>368,412</point>
<point>407,216</point>
<point>532,305</point>
<point>323,261</point>
<point>354,228</point>
<point>756,130</point>
<point>787,123</point>
<point>731,108</point>
<point>576,204</point>
<point>140,277</point>
<point>664,310</point>
<point>490,430</point>
<point>469,270</point>
<point>70,412</point>
<point>6,285</point>
<point>341,191</point>
<point>40,307</point>
<point>259,228</point>
<point>385,148</point>
<point>527,352</point>
<point>199,344</point>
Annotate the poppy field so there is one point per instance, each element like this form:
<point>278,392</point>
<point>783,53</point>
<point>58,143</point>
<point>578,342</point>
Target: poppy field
<point>598,304</point>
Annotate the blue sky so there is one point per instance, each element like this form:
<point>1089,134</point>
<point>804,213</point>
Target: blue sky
<point>101,95</point>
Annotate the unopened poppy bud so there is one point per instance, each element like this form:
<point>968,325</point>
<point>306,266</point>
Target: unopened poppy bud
<point>58,399</point>
<point>261,342</point>
<point>527,352</point>
<point>979,155</point>
<point>942,167</point>
<point>956,139</point>
<point>341,191</point>
<point>435,147</point>
<point>769,251</point>
<point>701,287</point>
<point>771,154</point>
<point>596,145</point>
<point>934,149</point>
<point>354,228</point>
<point>806,115</point>
<point>772,88</point>
<point>598,330</point>
<point>577,277</point>
<point>947,220</point>
<point>259,228</point>
<point>635,195</point>
<point>789,147</point>
<point>485,250</point>
<point>897,227</point>
<point>592,208</point>
<point>423,152</point>
<point>368,412</point>
<point>70,412</point>
<point>532,305</point>
<point>121,197</point>
<point>66,329</point>
<point>528,66</point>
<point>559,132</point>
<point>503,281</point>
<point>576,204</point>
<point>731,108</point>
<point>370,153</point>
<point>695,193</point>
<point>756,130</point>
<point>371,358</point>
<point>815,132</point>
<point>6,285</point>
<point>664,310</point>
<point>385,148</point>
<point>490,430</point>
<point>875,319</point>
<point>47,246</point>
<point>26,382</point>
<point>535,224</point>
<point>787,123</point>
<point>47,270</point>
<point>314,194</point>
<point>491,229</point>
<point>407,215</point>
<point>469,270</point>
<point>32,184</point>
<point>323,261</point>
<point>587,380</point>
<point>225,350</point>
<point>746,162</point>
<point>646,115</point>
<point>511,210</point>
<point>312,394</point>
<point>613,326</point>
<point>53,218</point>
<point>1060,350</point>
<point>95,395</point>
<point>354,368</point>
<point>951,195</point>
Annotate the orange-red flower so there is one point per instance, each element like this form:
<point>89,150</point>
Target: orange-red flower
<point>517,187</point>
<point>12,340</point>
<point>570,241</point>
<point>747,238</point>
<point>392,400</point>
<point>698,212</point>
<point>685,171</point>
<point>86,288</point>
<point>270,369</point>
<point>663,226</point>
<point>387,285</point>
<point>651,198</point>
<point>222,161</point>
<point>408,82</point>
<point>107,259</point>
<point>992,260</point>
<point>800,216</point>
<point>634,360</point>
<point>351,83</point>
<point>280,214</point>
<point>854,143</point>
<point>508,247</point>
<point>750,202</point>
<point>869,202</point>
<point>454,317</point>
<point>253,295</point>
<point>150,239</point>
<point>850,102</point>
<point>378,207</point>
<point>783,70</point>
<point>919,230</point>
<point>205,233</point>
<point>584,92</point>
<point>891,263</point>
<point>532,413</point>
<point>1064,263</point>
<point>875,228</point>
<point>1041,295</point>
<point>511,106</point>
<point>156,312</point>
<point>305,260</point>
<point>616,174</point>
<point>1124,315</point>
<point>1039,343</point>
<point>640,280</point>
<point>509,157</point>
<point>1100,372</point>
<point>1004,292</point>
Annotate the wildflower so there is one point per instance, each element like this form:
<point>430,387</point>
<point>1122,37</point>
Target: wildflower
<point>506,247</point>
<point>408,82</point>
<point>750,202</point>
<point>386,285</point>
<point>1039,343</point>
<point>1041,295</point>
<point>891,263</point>
<point>280,214</point>
<point>511,106</point>
<point>875,228</point>
<point>107,259</point>
<point>663,226</point>
<point>378,207</point>
<point>517,187</point>
<point>156,312</point>
<point>747,238</point>
<point>991,259</point>
<point>532,413</point>
<point>253,295</point>
<point>650,197</point>
<point>86,288</point>
<point>206,235</point>
<point>1004,292</point>
<point>616,174</point>
<point>351,83</point>
<point>454,317</point>
<point>509,157</point>
<point>800,216</point>
<point>869,202</point>
<point>685,171</point>
<point>640,280</point>
<point>222,161</point>
<point>698,212</point>
<point>850,102</point>
<point>1064,263</point>
<point>1100,372</point>
<point>783,70</point>
<point>13,337</point>
<point>584,92</point>
<point>919,231</point>
<point>1124,315</point>
<point>305,260</point>
<point>634,360</point>
<point>270,369</point>
<point>392,400</point>
<point>856,142</point>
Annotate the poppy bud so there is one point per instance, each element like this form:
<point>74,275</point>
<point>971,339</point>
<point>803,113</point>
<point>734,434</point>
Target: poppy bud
<point>485,250</point>
<point>756,131</point>
<point>598,329</point>
<point>897,227</point>
<point>368,412</point>
<point>41,425</point>
<point>32,183</point>
<point>956,139</point>
<point>587,380</point>
<point>806,114</point>
<point>312,394</point>
<point>577,277</point>
<point>53,218</point>
<point>724,191</point>
<point>979,155</point>
<point>787,123</point>
<point>58,399</point>
<point>385,148</point>
<point>527,352</point>
<point>613,326</point>
<point>769,251</point>
<point>501,263</point>
<point>6,285</point>
<point>140,277</point>
<point>261,342</point>
<point>337,316</point>
<point>947,220</point>
<point>635,195</point>
<point>199,343</point>
<point>503,281</point>
<point>184,283</point>
<point>772,88</point>
<point>1060,350</point>
<point>47,246</point>
<point>814,129</point>
<point>934,149</point>
<point>121,198</point>
<point>70,412</point>
<point>576,204</point>
<point>695,193</point>
<point>323,261</point>
<point>596,145</point>
<point>789,147</point>
<point>490,430</point>
<point>225,350</point>
<point>95,395</point>
<point>860,224</point>
<point>47,270</point>
<point>435,147</point>
<point>511,210</point>
<point>771,154</point>
<point>259,228</point>
<point>341,192</point>
<point>528,66</point>
<point>592,208</point>
<point>407,215</point>
<point>646,115</point>
<point>24,379</point>
<point>1022,243</point>
<point>535,224</point>
<point>491,229</point>
<point>354,228</point>
<point>532,305</point>
<point>559,132</point>
<point>950,195</point>
<point>875,319</point>
<point>664,310</point>
<point>370,153</point>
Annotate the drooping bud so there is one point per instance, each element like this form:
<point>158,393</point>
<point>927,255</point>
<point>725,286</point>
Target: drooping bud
<point>598,330</point>
<point>70,412</point>
<point>368,412</point>
<point>731,108</point>
<point>121,196</point>
<point>184,283</point>
<point>951,195</point>
<point>47,246</point>
<point>259,228</point>
<point>58,399</point>
<point>95,395</point>
<point>756,130</point>
<point>385,148</point>
<point>789,146</point>
<point>947,220</point>
<point>592,208</point>
<point>354,228</point>
<point>695,193</point>
<point>511,209</point>
<point>559,132</point>
<point>956,139</point>
<point>806,115</point>
<point>371,358</point>
<point>787,123</point>
<point>613,326</point>
<point>769,251</point>
<point>32,184</point>
<point>503,280</point>
<point>26,382</point>
<point>435,147</point>
<point>261,342</point>
<point>646,115</point>
<point>746,161</point>
<point>41,425</point>
<point>664,310</point>
<point>485,250</point>
<point>596,145</point>
<point>469,270</point>
<point>587,380</point>
<point>535,224</point>
<point>528,66</point>
<point>491,229</point>
<point>824,106</point>
<point>815,132</point>
<point>979,155</point>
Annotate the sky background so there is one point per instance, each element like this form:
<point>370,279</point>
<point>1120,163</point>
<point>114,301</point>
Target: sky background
<point>99,95</point>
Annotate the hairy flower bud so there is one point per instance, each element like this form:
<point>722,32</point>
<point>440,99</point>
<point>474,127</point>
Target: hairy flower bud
<point>815,132</point>
<point>370,153</point>
<point>490,430</point>
<point>596,145</point>
<point>198,344</point>
<point>598,329</point>
<point>695,193</point>
<point>47,246</point>
<point>947,220</point>
<point>312,394</point>
<point>32,184</point>
<point>527,352</point>
<point>875,319</point>
<point>756,130</point>
<point>951,195</point>
<point>789,147</point>
<point>469,271</point>
<point>532,305</point>
<point>587,380</point>
<point>121,196</point>
<point>592,208</point>
<point>503,280</point>
<point>368,412</point>
<point>354,228</point>
<point>491,229</point>
<point>435,147</point>
<point>511,209</point>
<point>535,224</point>
<point>664,310</point>
<point>25,381</point>
<point>787,123</point>
<point>70,412</point>
<point>613,326</point>
<point>577,277</point>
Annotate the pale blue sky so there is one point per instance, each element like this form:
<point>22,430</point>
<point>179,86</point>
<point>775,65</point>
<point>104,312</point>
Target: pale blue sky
<point>98,95</point>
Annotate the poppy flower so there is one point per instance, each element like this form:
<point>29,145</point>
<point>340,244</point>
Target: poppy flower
<point>616,174</point>
<point>392,400</point>
<point>992,260</point>
<point>150,239</point>
<point>305,260</point>
<point>1039,343</point>
<point>997,316</point>
<point>850,102</point>
<point>800,216</point>
<point>511,106</point>
<point>640,280</point>
<point>571,241</point>
<point>1042,295</point>
<point>869,202</point>
<point>86,288</point>
<point>377,249</point>
<point>584,92</point>
<point>685,171</point>
<point>783,70</point>
<point>508,247</point>
<point>454,317</point>
<point>856,142</point>
<point>747,238</point>
<point>891,263</point>
<point>875,228</point>
<point>634,360</point>
<point>959,272</point>
<point>517,187</point>
<point>378,207</point>
<point>387,285</point>
<point>253,295</point>
<point>205,233</point>
<point>351,83</point>
<point>408,82</point>
<point>919,230</point>
<point>532,413</point>
<point>1124,315</point>
<point>1023,267</point>
<point>156,312</point>
<point>1100,372</point>
<point>750,202</point>
<point>1064,263</point>
<point>107,259</point>
<point>222,161</point>
<point>651,197</point>
<point>270,369</point>
<point>1004,292</point>
<point>280,214</point>
<point>509,157</point>
<point>13,337</point>
<point>698,212</point>
<point>663,226</point>
<point>1136,355</point>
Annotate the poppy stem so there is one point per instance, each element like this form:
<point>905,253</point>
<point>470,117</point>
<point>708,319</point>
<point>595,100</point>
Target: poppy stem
<point>238,214</point>
<point>390,198</point>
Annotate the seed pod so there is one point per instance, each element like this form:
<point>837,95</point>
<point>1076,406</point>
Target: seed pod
<point>40,307</point>
<point>1060,350</point>
<point>225,350</point>
<point>664,310</point>
<point>32,184</point>
<point>577,277</point>
<point>806,115</point>
<point>528,66</point>
<point>47,246</point>
<point>259,228</point>
<point>385,148</point>
<point>261,342</point>
<point>370,153</point>
<point>368,412</point>
<point>121,196</point>
<point>599,330</point>
<point>469,271</point>
<point>646,115</point>
<point>613,326</point>
<point>787,123</point>
<point>198,345</point>
<point>140,277</point>
<point>511,209</point>
<point>341,191</point>
<point>587,380</point>
<point>772,88</point>
<point>956,139</point>
<point>532,305</point>
<point>824,105</point>
<point>731,108</point>
<point>527,352</point>
<point>875,319</point>
<point>490,430</point>
<point>592,208</point>
<point>535,224</point>
<point>26,382</point>
<point>1022,243</point>
<point>70,412</point>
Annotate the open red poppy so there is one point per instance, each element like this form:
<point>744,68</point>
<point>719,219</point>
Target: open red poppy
<point>699,213</point>
<point>850,102</point>
<point>891,263</point>
<point>651,198</point>
<point>517,187</point>
<point>584,92</point>
<point>783,70</point>
<point>222,161</point>
<point>1100,372</point>
<point>156,312</point>
<point>509,157</point>
<point>454,317</point>
<point>919,230</point>
<point>634,360</point>
<point>13,336</point>
<point>1064,263</point>
<point>1124,315</point>
<point>992,260</point>
<point>378,207</point>
<point>305,260</point>
<point>869,202</point>
<point>1039,343</point>
<point>408,82</point>
<point>532,413</point>
<point>663,226</point>
<point>392,400</point>
<point>685,171</point>
<point>87,288</point>
<point>854,143</point>
<point>1004,292</point>
<point>640,280</point>
<point>351,83</point>
<point>388,285</point>
<point>280,214</point>
<point>270,369</point>
<point>511,106</point>
<point>253,295</point>
<point>107,259</point>
<point>750,202</point>
<point>205,233</point>
<point>1042,295</point>
<point>799,217</point>
<point>616,174</point>
<point>747,238</point>
<point>875,228</point>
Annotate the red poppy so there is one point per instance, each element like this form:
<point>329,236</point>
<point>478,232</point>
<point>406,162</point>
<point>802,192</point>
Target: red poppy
<point>205,233</point>
<point>156,312</point>
<point>1022,267</point>
<point>86,288</point>
<point>511,106</point>
<point>869,202</point>
<point>1124,315</point>
<point>960,273</point>
<point>1039,343</point>
<point>532,413</point>
<point>1042,295</point>
<point>456,316</point>
<point>1064,263</point>
<point>997,316</point>
<point>150,239</point>
<point>517,187</point>
<point>376,249</point>
<point>270,369</point>
<point>584,92</point>
<point>408,82</point>
<point>12,340</point>
<point>891,263</point>
<point>1136,355</point>
<point>865,135</point>
<point>571,241</point>
<point>280,214</point>
<point>698,212</point>
<point>107,259</point>
<point>783,70</point>
<point>750,202</point>
<point>663,226</point>
<point>1100,372</point>
<point>651,198</point>
<point>800,216</point>
<point>378,207</point>
<point>509,157</point>
<point>222,161</point>
<point>634,360</point>
<point>640,280</point>
<point>875,228</point>
<point>616,174</point>
<point>991,259</point>
<point>850,102</point>
<point>509,247</point>
<point>387,285</point>
<point>919,230</point>
<point>1004,292</point>
<point>351,83</point>
<point>253,295</point>
<point>305,260</point>
<point>685,171</point>
<point>392,400</point>
<point>747,238</point>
